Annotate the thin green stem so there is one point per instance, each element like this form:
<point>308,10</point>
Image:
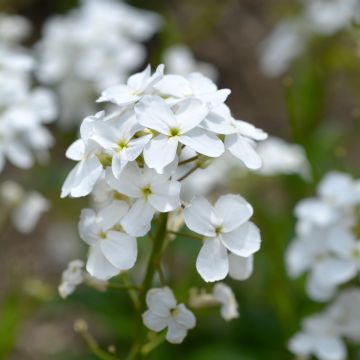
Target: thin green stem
<point>186,235</point>
<point>189,173</point>
<point>82,329</point>
<point>188,160</point>
<point>152,268</point>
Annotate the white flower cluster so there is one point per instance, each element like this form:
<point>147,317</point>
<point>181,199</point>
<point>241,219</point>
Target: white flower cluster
<point>23,109</point>
<point>133,160</point>
<point>326,245</point>
<point>24,208</point>
<point>92,47</point>
<point>291,37</point>
<point>136,152</point>
<point>323,335</point>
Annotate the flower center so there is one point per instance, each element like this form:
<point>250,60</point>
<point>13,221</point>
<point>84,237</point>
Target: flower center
<point>218,230</point>
<point>174,132</point>
<point>174,311</point>
<point>146,191</point>
<point>122,144</point>
<point>102,235</point>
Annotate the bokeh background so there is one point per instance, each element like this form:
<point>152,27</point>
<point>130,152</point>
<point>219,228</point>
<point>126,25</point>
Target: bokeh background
<point>315,104</point>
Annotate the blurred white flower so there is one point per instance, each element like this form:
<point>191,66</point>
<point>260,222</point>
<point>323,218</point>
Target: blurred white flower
<point>179,60</point>
<point>225,296</point>
<point>164,312</point>
<point>23,109</point>
<point>284,44</point>
<point>72,277</point>
<point>291,37</point>
<point>27,213</point>
<point>25,208</point>
<point>225,228</point>
<point>329,16</point>
<point>323,334</point>
<point>280,157</point>
<point>325,245</point>
<point>104,47</point>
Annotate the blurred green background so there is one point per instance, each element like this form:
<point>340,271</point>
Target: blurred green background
<point>315,105</point>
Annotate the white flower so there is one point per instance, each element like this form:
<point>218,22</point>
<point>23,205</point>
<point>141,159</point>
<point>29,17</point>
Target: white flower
<point>136,87</point>
<point>285,43</point>
<point>280,157</point>
<point>226,228</point>
<point>105,47</point>
<point>28,212</point>
<point>329,16</point>
<point>319,337</point>
<point>240,136</point>
<point>72,276</point>
<point>13,28</point>
<point>177,88</point>
<point>323,334</point>
<point>118,140</point>
<point>225,296</point>
<point>164,312</point>
<point>111,249</point>
<point>151,192</point>
<point>174,128</point>
<point>83,177</point>
<point>179,60</point>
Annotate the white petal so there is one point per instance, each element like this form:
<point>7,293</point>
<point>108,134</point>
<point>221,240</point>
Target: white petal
<point>138,80</point>
<point>243,241</point>
<point>212,262</point>
<point>154,113</point>
<point>120,249</point>
<point>173,85</point>
<point>165,196</point>
<point>301,344</point>
<point>298,258</point>
<point>98,266</point>
<point>121,95</point>
<point>176,333</point>
<point>88,227</point>
<point>76,150</point>
<point>112,214</point>
<point>234,210</point>
<point>89,171</point>
<point>200,217</point>
<point>189,114</point>
<point>129,183</point>
<point>332,271</point>
<point>185,317</point>
<point>137,222</point>
<point>243,149</point>
<point>160,151</point>
<point>160,301</point>
<point>318,291</point>
<point>154,322</point>
<point>19,155</point>
<point>71,181</point>
<point>203,142</point>
<point>240,268</point>
<point>136,146</point>
<point>330,348</point>
<point>119,161</point>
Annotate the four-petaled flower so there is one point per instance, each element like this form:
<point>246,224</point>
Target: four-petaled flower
<point>164,312</point>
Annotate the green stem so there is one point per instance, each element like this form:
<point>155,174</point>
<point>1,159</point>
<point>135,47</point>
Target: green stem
<point>189,172</point>
<point>182,234</point>
<point>82,329</point>
<point>152,268</point>
<point>188,160</point>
